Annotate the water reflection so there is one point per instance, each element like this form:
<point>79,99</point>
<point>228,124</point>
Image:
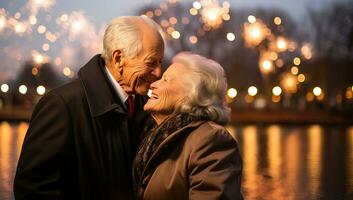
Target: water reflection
<point>314,158</point>
<point>11,138</point>
<point>349,184</point>
<point>280,162</point>
<point>250,159</point>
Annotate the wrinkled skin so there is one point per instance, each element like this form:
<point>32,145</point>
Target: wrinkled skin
<point>135,75</point>
<point>169,92</point>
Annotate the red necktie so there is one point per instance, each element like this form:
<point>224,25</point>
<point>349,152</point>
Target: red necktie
<point>130,106</point>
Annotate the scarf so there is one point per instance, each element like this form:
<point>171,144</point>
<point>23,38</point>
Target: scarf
<point>154,135</point>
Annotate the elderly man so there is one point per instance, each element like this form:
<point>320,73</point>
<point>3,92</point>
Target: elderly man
<point>82,136</point>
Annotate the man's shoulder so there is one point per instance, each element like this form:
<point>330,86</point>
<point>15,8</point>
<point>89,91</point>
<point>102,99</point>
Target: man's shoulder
<point>69,91</point>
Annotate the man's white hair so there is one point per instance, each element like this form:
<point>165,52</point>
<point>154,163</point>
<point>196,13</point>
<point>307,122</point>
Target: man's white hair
<point>124,34</point>
<point>208,85</point>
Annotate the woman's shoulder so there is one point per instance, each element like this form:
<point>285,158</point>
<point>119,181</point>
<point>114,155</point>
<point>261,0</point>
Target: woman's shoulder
<point>211,132</point>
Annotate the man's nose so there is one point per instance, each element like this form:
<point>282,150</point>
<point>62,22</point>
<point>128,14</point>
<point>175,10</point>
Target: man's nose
<point>157,72</point>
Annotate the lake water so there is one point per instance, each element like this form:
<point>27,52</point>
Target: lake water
<point>280,161</point>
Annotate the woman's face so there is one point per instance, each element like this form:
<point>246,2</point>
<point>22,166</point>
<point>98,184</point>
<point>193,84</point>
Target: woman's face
<point>168,92</point>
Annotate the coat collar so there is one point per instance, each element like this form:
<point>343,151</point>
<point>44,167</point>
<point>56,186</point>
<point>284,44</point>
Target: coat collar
<point>172,137</point>
<point>99,93</point>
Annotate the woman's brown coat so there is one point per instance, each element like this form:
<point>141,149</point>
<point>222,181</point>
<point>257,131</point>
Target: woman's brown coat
<point>200,161</point>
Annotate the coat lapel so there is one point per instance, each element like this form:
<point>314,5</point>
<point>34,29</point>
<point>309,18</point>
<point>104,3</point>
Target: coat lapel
<point>164,145</point>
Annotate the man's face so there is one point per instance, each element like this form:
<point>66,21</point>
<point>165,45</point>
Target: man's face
<point>138,73</point>
<point>170,91</point>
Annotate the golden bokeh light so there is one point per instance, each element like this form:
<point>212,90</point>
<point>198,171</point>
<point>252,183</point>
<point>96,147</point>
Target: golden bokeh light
<point>276,91</point>
<point>67,71</point>
<point>309,97</point>
<point>296,61</point>
<point>22,89</point>
<point>294,70</point>
<point>41,29</point>
<point>176,34</point>
<point>317,91</point>
<point>196,5</point>
<point>230,36</point>
<point>252,91</point>
<point>301,78</point>
<point>193,39</point>
<point>193,11</point>
<point>40,90</point>
<point>251,19</point>
<point>289,83</point>
<point>4,88</point>
<point>277,20</point>
<point>232,93</point>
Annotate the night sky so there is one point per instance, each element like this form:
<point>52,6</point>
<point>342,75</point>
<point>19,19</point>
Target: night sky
<point>54,37</point>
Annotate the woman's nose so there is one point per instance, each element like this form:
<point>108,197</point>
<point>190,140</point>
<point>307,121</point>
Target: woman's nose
<point>154,85</point>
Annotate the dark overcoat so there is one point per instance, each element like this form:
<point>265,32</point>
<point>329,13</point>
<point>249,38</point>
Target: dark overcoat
<point>80,143</point>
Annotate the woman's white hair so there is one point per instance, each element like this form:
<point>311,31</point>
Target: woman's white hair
<point>208,85</point>
<point>123,33</point>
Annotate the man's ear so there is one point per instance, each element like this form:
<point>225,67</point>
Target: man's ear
<point>117,59</point>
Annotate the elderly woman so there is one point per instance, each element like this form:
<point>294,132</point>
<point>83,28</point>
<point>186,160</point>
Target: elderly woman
<point>187,153</point>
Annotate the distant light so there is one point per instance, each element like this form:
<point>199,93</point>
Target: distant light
<point>77,25</point>
<point>296,61</point>
<point>226,17</point>
<point>276,91</point>
<point>2,22</point>
<point>4,88</point>
<point>317,91</point>
<point>252,91</point>
<point>22,89</point>
<point>255,32</point>
<point>281,44</point>
<point>306,51</point>
<point>32,20</point>
<point>20,28</point>
<point>230,36</point>
<point>273,56</point>
<point>193,11</point>
<point>18,15</point>
<point>39,59</point>
<point>226,4</point>
<point>251,19</point>
<point>276,99</point>
<point>41,29</point>
<point>294,70</point>
<point>41,90</point>
<point>173,20</point>
<point>58,61</point>
<point>352,88</point>
<point>45,47</point>
<point>196,5</point>
<point>232,93</point>
<point>349,93</point>
<point>193,39</point>
<point>176,34</point>
<point>309,96</point>
<point>301,78</point>
<point>64,17</point>
<point>267,65</point>
<point>35,71</point>
<point>67,71</point>
<point>277,20</point>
